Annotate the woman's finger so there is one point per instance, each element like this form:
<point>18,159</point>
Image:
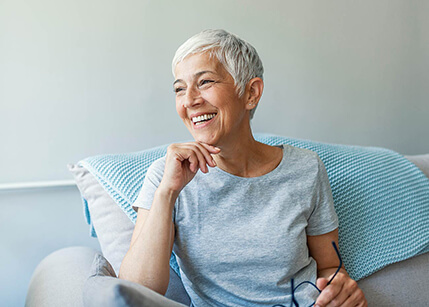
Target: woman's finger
<point>197,154</point>
<point>356,297</point>
<point>207,151</point>
<point>202,153</point>
<point>339,300</point>
<point>196,150</point>
<point>348,287</point>
<point>321,283</point>
<point>202,160</point>
<point>212,149</point>
<point>190,156</point>
<point>330,292</point>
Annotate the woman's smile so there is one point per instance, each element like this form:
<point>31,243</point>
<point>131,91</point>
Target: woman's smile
<point>202,121</point>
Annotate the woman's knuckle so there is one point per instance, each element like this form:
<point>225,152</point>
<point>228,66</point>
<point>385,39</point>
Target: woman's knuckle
<point>322,301</point>
<point>329,292</point>
<point>171,147</point>
<point>353,284</point>
<point>343,276</point>
<point>335,302</point>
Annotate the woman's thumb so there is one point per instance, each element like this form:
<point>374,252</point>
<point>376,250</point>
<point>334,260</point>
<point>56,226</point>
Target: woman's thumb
<point>321,283</point>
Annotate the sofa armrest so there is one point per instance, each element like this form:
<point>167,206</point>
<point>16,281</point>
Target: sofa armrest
<point>421,161</point>
<point>58,280</point>
<point>399,284</point>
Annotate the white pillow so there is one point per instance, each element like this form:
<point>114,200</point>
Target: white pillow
<point>113,227</point>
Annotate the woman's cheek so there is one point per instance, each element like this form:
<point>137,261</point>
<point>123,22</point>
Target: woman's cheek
<point>179,107</point>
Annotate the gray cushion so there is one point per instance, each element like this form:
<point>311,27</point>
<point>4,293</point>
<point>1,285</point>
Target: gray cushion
<point>103,289</point>
<point>400,284</point>
<point>421,161</point>
<point>58,280</point>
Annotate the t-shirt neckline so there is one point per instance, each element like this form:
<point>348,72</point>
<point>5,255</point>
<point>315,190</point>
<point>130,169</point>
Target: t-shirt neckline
<point>270,173</point>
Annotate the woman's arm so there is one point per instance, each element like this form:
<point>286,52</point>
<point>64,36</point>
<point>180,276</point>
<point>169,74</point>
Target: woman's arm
<point>343,291</point>
<point>147,260</point>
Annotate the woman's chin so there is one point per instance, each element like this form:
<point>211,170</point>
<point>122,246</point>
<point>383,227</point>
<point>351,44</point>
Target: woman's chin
<point>205,139</point>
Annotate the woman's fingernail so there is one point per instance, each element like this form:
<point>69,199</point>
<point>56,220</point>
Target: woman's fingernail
<point>214,162</point>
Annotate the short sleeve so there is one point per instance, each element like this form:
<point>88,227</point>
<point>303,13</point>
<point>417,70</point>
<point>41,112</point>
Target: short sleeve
<point>323,218</point>
<point>150,184</point>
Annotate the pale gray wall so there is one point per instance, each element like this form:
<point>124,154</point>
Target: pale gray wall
<point>79,78</point>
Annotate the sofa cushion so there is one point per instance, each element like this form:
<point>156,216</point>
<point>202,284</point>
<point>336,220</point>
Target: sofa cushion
<point>102,288</point>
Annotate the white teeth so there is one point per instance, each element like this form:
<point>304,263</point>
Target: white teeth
<point>203,117</point>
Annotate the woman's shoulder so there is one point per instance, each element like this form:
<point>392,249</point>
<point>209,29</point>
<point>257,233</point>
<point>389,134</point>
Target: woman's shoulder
<point>160,162</point>
<point>304,159</point>
<point>301,154</point>
<point>157,167</point>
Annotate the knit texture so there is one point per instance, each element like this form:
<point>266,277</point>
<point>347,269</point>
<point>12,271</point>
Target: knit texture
<point>381,198</point>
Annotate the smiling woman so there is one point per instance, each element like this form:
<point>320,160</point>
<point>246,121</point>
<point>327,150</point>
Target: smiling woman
<point>229,211</point>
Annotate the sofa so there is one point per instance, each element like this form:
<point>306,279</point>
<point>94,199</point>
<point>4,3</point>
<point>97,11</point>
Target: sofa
<point>82,276</point>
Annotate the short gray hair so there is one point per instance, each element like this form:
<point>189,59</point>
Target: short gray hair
<point>238,57</point>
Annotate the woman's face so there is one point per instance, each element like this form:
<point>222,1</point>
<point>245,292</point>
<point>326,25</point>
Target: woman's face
<point>207,102</point>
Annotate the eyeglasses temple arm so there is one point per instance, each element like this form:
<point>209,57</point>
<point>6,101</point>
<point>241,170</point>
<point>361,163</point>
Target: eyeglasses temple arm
<point>341,263</point>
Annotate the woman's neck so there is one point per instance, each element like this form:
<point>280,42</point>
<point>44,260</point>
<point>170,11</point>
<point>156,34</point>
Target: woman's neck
<point>246,157</point>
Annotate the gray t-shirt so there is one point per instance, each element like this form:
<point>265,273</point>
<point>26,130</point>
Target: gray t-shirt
<point>239,241</point>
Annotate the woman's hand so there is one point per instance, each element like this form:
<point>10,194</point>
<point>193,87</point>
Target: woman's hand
<point>342,291</point>
<point>182,163</point>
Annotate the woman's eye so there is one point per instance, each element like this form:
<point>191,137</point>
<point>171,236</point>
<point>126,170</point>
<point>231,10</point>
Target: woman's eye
<point>204,82</point>
<point>178,89</point>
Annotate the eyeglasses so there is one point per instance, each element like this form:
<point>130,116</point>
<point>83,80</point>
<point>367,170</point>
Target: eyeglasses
<point>294,302</point>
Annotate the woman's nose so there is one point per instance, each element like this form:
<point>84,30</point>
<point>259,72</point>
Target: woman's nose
<point>192,98</point>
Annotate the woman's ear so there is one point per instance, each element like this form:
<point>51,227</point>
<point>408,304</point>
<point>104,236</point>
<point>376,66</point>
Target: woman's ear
<point>254,92</point>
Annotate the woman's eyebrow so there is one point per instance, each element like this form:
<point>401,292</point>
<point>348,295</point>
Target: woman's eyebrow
<point>198,74</point>
<point>178,80</point>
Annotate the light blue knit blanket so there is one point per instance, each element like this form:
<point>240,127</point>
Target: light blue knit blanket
<point>382,199</point>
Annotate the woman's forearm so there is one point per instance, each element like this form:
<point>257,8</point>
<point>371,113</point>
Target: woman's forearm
<point>328,272</point>
<point>147,260</point>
